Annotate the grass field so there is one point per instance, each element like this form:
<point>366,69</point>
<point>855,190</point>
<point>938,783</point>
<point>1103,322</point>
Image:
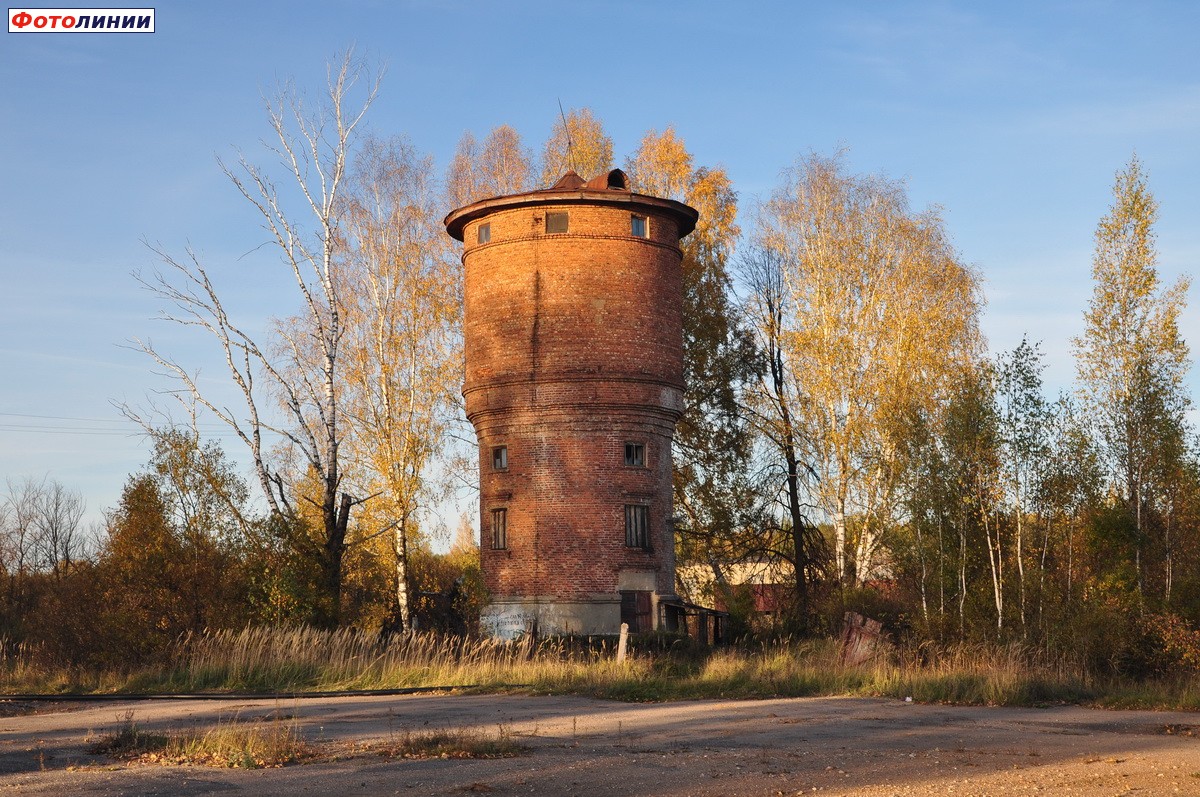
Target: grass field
<point>300,660</point>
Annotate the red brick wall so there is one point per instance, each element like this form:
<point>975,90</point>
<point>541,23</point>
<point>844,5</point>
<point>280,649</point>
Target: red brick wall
<point>574,347</point>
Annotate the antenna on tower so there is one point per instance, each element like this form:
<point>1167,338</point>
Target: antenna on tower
<point>567,133</point>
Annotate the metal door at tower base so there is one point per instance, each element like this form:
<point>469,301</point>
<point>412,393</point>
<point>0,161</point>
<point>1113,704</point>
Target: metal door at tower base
<point>635,610</point>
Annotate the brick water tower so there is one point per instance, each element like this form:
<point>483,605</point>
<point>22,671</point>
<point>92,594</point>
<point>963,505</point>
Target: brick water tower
<point>574,382</point>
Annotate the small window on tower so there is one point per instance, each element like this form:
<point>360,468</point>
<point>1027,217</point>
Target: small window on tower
<point>500,458</point>
<point>635,455</point>
<point>484,234</point>
<point>499,529</point>
<point>556,222</point>
<point>638,226</point>
<point>637,526</point>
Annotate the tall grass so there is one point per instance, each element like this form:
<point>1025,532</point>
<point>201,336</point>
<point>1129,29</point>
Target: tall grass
<point>309,659</point>
<point>304,659</point>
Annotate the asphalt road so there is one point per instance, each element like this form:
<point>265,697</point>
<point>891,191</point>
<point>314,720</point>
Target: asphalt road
<point>579,746</point>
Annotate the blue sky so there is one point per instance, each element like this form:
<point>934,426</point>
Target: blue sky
<point>1011,116</point>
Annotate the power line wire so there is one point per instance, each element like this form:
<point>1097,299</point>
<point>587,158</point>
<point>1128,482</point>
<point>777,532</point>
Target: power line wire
<point>63,418</point>
<point>207,429</point>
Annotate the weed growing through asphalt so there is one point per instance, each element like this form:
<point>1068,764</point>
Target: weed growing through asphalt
<point>128,742</point>
<point>250,745</point>
<point>450,744</point>
<point>230,743</point>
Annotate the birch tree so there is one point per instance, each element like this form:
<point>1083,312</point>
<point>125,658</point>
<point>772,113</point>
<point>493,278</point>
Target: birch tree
<point>499,166</point>
<point>401,289</point>
<point>291,380</point>
<point>40,528</point>
<point>1068,485</point>
<point>577,143</point>
<point>1022,418</point>
<point>882,314</point>
<point>973,433</point>
<point>1131,359</point>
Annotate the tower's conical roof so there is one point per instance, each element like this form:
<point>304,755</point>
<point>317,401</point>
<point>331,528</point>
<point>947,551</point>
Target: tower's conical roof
<point>568,182</point>
<point>609,188</point>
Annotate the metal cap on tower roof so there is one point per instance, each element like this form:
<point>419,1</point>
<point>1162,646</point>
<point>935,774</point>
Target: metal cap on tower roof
<point>568,182</point>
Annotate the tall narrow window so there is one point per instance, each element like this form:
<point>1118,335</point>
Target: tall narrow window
<point>638,226</point>
<point>635,455</point>
<point>556,221</point>
<point>485,234</point>
<point>500,458</point>
<point>499,529</point>
<point>637,526</point>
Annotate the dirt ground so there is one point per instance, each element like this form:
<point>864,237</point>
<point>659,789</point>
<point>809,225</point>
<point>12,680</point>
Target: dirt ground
<point>578,746</point>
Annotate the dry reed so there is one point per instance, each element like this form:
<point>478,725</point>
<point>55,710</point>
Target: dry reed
<point>306,659</point>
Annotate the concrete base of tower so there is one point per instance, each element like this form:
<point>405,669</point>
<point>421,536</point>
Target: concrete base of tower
<point>511,618</point>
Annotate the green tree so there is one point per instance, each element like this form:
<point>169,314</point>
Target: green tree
<point>142,564</point>
<point>1022,418</point>
<point>1068,490</point>
<point>1131,361</point>
<point>217,532</point>
<point>954,534</point>
<point>205,496</point>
